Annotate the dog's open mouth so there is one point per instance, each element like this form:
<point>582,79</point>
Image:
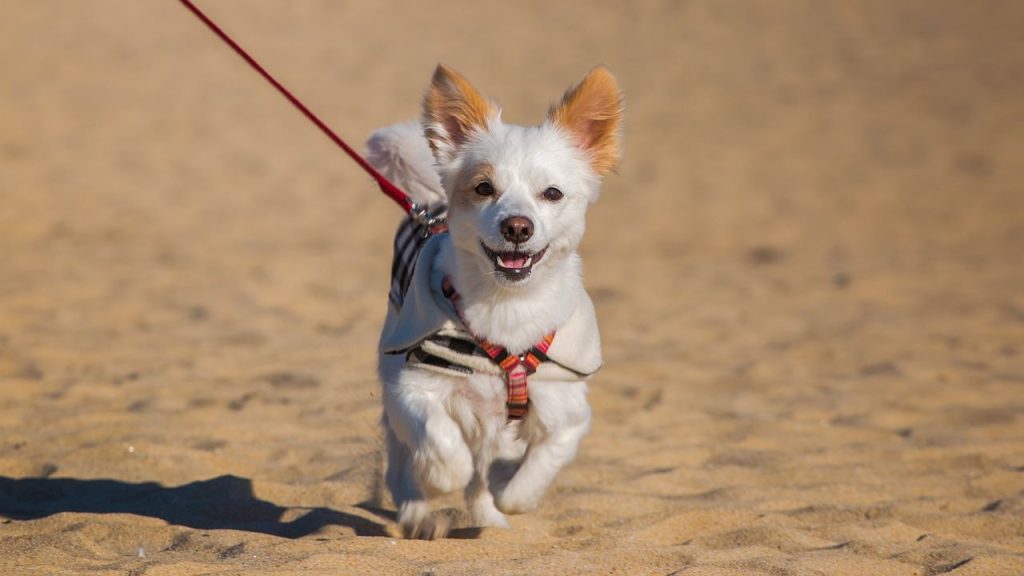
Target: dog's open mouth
<point>514,265</point>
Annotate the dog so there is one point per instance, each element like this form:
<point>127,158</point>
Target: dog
<point>490,337</point>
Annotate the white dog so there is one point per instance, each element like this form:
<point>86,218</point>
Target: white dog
<point>490,337</point>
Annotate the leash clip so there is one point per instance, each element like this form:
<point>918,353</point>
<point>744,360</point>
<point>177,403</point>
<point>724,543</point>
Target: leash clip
<point>428,223</point>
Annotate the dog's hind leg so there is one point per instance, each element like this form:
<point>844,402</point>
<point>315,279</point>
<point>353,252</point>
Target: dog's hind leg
<point>480,501</point>
<point>481,506</point>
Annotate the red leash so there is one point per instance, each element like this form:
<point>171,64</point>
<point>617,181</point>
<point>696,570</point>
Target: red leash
<point>392,191</point>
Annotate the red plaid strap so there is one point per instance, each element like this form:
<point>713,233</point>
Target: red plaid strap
<point>516,368</point>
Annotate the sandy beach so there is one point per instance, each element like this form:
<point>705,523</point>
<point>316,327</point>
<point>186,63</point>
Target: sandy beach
<point>808,273</point>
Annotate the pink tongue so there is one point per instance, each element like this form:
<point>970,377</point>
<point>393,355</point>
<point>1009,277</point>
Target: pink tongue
<point>514,262</point>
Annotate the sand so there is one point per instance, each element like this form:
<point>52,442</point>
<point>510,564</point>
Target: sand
<point>808,273</point>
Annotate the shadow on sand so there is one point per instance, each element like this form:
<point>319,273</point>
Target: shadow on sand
<point>225,502</point>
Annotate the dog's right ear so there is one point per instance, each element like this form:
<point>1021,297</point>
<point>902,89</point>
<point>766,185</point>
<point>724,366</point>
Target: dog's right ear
<point>452,111</point>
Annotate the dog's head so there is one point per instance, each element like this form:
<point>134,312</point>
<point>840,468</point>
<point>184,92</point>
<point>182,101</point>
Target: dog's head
<point>518,195</point>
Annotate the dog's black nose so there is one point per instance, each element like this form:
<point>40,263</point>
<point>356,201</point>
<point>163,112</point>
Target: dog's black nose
<point>517,229</point>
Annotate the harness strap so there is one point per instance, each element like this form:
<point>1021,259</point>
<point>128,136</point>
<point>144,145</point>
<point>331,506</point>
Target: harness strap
<point>516,368</point>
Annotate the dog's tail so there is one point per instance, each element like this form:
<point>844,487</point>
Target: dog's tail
<point>401,153</point>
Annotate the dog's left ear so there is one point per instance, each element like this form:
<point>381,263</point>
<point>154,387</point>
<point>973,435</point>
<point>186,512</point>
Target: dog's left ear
<point>452,111</point>
<point>592,112</point>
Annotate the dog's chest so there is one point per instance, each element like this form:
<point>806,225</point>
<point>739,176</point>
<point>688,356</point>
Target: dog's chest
<point>482,394</point>
<point>477,404</point>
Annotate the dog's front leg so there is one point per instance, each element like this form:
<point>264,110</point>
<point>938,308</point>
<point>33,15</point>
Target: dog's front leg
<point>428,455</point>
<point>559,418</point>
<point>414,514</point>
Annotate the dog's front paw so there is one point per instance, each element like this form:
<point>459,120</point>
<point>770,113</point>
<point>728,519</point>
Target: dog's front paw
<point>443,462</point>
<point>513,493</point>
<point>420,523</point>
<point>515,499</point>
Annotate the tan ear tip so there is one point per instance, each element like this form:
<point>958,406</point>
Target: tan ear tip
<point>444,72</point>
<point>602,72</point>
<point>600,77</point>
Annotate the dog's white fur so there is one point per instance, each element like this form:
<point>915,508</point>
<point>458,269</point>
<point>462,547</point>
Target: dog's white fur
<point>448,433</point>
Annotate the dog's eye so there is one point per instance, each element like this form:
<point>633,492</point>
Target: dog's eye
<point>553,194</point>
<point>485,189</point>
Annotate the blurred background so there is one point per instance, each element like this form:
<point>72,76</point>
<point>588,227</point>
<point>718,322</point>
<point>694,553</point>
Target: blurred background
<point>818,222</point>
